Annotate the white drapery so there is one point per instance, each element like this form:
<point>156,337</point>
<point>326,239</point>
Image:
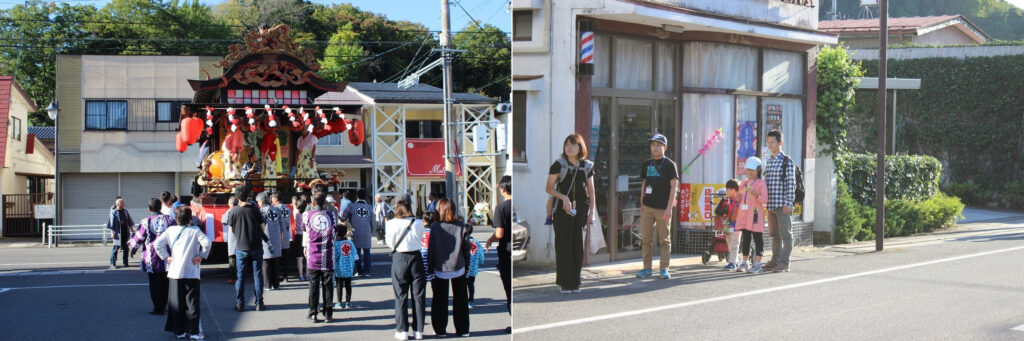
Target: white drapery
<point>666,67</point>
<point>702,114</point>
<point>717,65</point>
<point>601,61</point>
<point>632,64</point>
<point>783,72</point>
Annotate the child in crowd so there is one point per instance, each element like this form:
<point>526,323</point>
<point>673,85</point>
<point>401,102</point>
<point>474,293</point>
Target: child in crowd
<point>753,197</point>
<point>730,206</point>
<point>345,257</point>
<point>476,258</point>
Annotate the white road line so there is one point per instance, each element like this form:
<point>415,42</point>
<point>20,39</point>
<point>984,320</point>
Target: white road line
<point>60,263</point>
<point>1019,328</point>
<point>753,293</point>
<point>216,323</point>
<point>83,286</point>
<point>3,290</point>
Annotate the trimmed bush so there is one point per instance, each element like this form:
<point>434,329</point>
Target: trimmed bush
<point>855,222</point>
<point>970,193</point>
<point>907,177</point>
<point>939,212</point>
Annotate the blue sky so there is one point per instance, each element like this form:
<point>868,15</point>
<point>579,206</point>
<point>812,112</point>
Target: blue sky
<point>427,12</point>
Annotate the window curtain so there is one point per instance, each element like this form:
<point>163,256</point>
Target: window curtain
<point>666,67</point>
<point>792,126</point>
<point>702,114</point>
<point>95,115</point>
<point>602,57</point>
<point>117,115</point>
<point>163,111</point>
<point>717,65</point>
<point>783,72</point>
<point>632,64</point>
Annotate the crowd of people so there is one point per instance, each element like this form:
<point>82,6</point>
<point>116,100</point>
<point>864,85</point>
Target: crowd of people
<point>330,246</point>
<point>765,197</point>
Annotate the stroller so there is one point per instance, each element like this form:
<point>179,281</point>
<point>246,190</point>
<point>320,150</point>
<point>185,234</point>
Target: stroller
<point>718,245</point>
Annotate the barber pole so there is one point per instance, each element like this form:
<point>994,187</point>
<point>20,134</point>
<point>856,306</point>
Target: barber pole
<point>587,48</point>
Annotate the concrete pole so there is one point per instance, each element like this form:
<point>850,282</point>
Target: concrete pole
<point>883,39</point>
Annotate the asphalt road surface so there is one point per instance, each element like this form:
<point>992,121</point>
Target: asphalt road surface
<point>68,293</point>
<point>963,288</point>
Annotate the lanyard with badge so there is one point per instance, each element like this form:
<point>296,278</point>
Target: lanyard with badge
<point>650,189</point>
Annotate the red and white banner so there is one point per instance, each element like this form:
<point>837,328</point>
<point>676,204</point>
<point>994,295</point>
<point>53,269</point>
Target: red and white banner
<point>425,158</point>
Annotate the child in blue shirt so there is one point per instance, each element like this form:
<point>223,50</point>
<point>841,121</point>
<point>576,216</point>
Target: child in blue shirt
<point>345,257</point>
<point>476,258</point>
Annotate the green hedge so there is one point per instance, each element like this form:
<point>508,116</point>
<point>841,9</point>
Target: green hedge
<point>969,113</point>
<point>907,177</point>
<point>855,222</point>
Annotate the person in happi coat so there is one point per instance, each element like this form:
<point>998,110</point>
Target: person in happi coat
<point>184,247</point>
<point>359,216</point>
<point>148,231</point>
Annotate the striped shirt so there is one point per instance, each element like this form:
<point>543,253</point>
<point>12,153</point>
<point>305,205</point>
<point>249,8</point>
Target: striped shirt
<point>781,187</point>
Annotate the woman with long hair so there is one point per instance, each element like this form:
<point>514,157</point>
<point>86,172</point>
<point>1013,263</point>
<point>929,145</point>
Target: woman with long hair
<point>571,183</point>
<point>403,235</point>
<point>447,259</point>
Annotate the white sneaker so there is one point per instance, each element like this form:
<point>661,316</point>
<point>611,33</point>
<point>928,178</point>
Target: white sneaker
<point>418,335</point>
<point>401,336</point>
<point>743,267</point>
<point>182,336</point>
<point>198,336</point>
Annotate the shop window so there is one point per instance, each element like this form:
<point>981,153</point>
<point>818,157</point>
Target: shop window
<point>632,64</point>
<point>783,72</point>
<point>721,66</point>
<point>666,67</point>
<point>522,26</point>
<point>168,111</point>
<point>16,128</point>
<point>518,125</point>
<point>702,114</point>
<point>423,130</point>
<point>106,115</point>
<point>602,58</point>
<point>786,115</point>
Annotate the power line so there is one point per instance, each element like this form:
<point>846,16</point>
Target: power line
<point>64,21</point>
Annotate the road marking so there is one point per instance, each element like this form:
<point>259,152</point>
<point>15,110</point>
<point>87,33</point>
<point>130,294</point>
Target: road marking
<point>82,286</point>
<point>54,273</point>
<point>60,263</point>
<point>755,292</point>
<point>216,323</point>
<point>1019,328</point>
<point>3,290</point>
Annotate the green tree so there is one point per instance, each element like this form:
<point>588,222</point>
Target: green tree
<point>838,76</point>
<point>341,56</point>
<point>486,66</point>
<point>31,35</point>
<point>248,15</point>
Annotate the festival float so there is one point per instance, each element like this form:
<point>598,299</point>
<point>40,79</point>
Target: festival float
<point>256,124</point>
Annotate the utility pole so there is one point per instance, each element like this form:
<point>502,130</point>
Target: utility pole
<point>451,125</point>
<point>883,40</point>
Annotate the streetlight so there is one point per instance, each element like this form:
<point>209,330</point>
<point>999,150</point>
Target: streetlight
<point>52,111</point>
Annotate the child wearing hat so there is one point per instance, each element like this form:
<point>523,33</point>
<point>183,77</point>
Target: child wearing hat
<point>753,196</point>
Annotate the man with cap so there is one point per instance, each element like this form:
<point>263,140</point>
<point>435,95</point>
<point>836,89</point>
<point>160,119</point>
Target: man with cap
<point>660,177</point>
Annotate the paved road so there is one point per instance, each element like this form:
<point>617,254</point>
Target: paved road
<point>67,293</point>
<point>968,286</point>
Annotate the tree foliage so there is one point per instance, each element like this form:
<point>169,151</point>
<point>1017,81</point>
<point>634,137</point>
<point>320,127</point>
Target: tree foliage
<point>838,76</point>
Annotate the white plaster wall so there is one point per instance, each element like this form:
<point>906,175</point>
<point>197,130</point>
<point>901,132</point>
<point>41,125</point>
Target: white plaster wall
<point>770,11</point>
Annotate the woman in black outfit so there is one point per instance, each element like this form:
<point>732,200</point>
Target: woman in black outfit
<point>448,260</point>
<point>573,190</point>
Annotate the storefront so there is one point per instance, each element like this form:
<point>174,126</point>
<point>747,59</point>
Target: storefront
<point>653,72</point>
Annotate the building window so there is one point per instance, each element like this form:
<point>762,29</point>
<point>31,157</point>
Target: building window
<point>168,111</point>
<point>518,123</point>
<point>423,130</point>
<point>263,96</point>
<point>522,25</point>
<point>332,140</point>
<point>106,115</point>
<point>16,128</point>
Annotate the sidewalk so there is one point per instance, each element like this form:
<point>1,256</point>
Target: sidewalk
<point>988,222</point>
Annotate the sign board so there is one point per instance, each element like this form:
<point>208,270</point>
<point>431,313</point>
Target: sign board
<point>425,158</point>
<point>46,211</point>
<point>697,202</point>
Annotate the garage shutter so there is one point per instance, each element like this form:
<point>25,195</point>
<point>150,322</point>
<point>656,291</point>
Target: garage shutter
<point>138,188</point>
<point>186,183</point>
<point>87,198</point>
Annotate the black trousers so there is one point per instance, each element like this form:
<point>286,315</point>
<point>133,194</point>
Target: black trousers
<point>569,247</point>
<point>320,282</point>
<point>758,243</point>
<point>505,270</point>
<point>158,288</point>
<point>439,305</point>
<point>270,278</point>
<point>183,308</point>
<point>344,284</point>
<point>284,263</point>
<point>471,285</point>
<point>408,275</point>
<point>300,258</point>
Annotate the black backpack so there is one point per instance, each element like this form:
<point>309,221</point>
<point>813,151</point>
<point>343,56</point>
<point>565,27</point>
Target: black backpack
<point>798,193</point>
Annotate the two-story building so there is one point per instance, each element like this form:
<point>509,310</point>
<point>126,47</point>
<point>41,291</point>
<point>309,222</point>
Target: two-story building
<point>682,68</point>
<point>27,173</point>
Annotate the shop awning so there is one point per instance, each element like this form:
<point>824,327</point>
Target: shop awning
<point>343,161</point>
<point>425,158</point>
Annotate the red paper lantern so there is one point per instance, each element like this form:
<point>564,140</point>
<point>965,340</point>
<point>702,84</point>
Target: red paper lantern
<point>179,144</point>
<point>356,135</point>
<point>191,129</point>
